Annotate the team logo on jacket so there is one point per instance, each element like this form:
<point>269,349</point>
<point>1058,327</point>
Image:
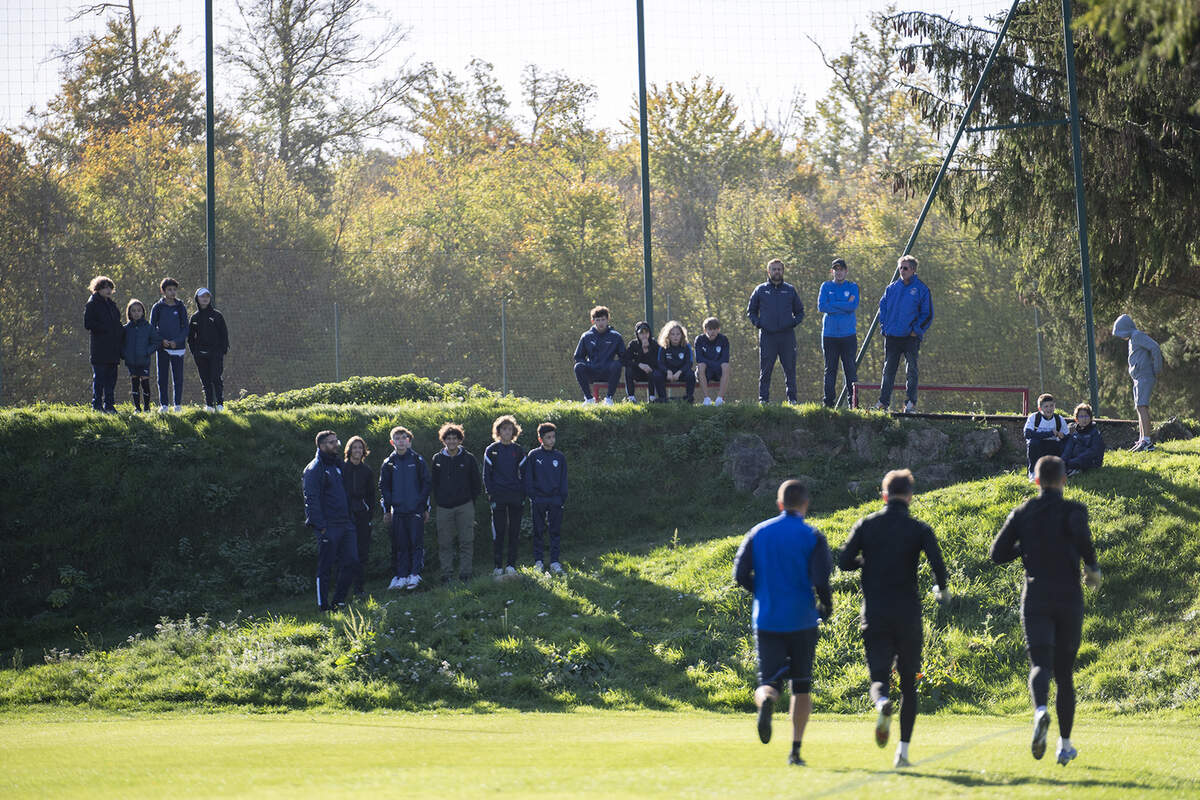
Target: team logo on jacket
<point>846,293</point>
<point>718,348</point>
<point>555,462</point>
<point>913,291</point>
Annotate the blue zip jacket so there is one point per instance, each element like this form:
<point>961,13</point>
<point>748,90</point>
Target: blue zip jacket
<point>325,501</point>
<point>782,560</point>
<point>1084,448</point>
<point>171,322</point>
<point>141,340</point>
<point>502,472</point>
<point>775,309</point>
<point>671,359</point>
<point>838,302</point>
<point>715,351</point>
<point>404,483</point>
<point>545,473</point>
<point>905,310</point>
<point>599,348</point>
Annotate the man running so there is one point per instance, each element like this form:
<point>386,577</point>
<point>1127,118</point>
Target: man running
<point>886,545</point>
<point>781,561</point>
<point>1050,535</point>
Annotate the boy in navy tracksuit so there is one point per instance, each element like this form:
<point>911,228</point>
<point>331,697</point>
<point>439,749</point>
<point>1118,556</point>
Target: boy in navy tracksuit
<point>782,561</point>
<point>169,317</point>
<point>139,342</point>
<point>102,319</point>
<point>505,490</point>
<point>327,512</point>
<point>712,360</point>
<point>838,300</point>
<point>1045,432</point>
<point>545,475</point>
<point>404,486</point>
<point>905,314</point>
<point>1085,446</point>
<point>775,309</point>
<point>598,356</point>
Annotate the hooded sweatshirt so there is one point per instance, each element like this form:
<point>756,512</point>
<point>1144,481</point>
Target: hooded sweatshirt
<point>1145,357</point>
<point>207,334</point>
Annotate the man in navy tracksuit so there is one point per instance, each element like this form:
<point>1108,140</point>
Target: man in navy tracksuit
<point>598,357</point>
<point>404,486</point>
<point>327,512</point>
<point>838,300</point>
<point>782,561</point>
<point>545,475</point>
<point>775,309</point>
<point>905,314</point>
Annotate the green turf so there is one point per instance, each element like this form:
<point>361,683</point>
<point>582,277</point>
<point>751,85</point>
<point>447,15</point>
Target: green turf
<point>612,754</point>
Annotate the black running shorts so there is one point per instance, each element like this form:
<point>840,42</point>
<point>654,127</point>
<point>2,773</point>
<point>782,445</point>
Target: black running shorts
<point>784,655</point>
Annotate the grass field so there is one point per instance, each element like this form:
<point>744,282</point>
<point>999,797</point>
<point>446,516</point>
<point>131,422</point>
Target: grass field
<point>73,753</point>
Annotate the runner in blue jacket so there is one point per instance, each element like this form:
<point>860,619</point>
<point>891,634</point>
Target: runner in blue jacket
<point>775,309</point>
<point>905,314</point>
<point>838,300</point>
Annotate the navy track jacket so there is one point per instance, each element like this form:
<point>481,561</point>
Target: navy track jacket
<point>502,472</point>
<point>325,501</point>
<point>404,483</point>
<point>545,473</point>
<point>775,309</point>
<point>599,348</point>
<point>676,358</point>
<point>1085,446</point>
<point>711,352</point>
<point>140,343</point>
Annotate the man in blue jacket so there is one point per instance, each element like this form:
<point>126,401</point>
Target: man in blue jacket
<point>544,472</point>
<point>838,300</point>
<point>905,314</point>
<point>775,309</point>
<point>404,486</point>
<point>782,561</point>
<point>598,357</point>
<point>327,512</point>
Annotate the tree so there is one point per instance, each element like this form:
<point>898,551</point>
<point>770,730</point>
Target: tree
<point>296,56</point>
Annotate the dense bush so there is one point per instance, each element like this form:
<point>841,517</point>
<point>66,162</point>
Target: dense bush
<point>365,392</point>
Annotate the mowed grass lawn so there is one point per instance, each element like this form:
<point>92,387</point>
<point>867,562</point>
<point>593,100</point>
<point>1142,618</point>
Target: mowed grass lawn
<point>78,753</point>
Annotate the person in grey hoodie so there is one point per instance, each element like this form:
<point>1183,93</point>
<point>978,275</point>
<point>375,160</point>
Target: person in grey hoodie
<point>1145,363</point>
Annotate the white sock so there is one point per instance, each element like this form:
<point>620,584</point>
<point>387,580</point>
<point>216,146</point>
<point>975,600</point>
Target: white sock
<point>880,703</point>
<point>1039,710</point>
<point>1064,744</point>
<point>902,750</point>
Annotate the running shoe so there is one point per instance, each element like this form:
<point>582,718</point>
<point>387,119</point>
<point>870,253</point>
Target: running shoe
<point>1064,755</point>
<point>1041,726</point>
<point>764,719</point>
<point>883,724</point>
<point>795,760</point>
<point>901,762</point>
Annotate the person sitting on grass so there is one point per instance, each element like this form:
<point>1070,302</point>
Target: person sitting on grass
<point>404,486</point>
<point>545,474</point>
<point>675,357</point>
<point>598,357</point>
<point>139,343</point>
<point>712,360</point>
<point>1045,431</point>
<point>781,562</point>
<point>1145,364</point>
<point>641,364</point>
<point>1085,446</point>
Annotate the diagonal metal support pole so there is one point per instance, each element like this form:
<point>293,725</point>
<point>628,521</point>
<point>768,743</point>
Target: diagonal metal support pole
<point>937,182</point>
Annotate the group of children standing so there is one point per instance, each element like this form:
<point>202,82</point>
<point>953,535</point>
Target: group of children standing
<point>339,498</point>
<point>164,336</point>
<point>601,354</point>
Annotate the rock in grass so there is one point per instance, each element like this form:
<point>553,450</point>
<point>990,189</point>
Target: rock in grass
<point>747,461</point>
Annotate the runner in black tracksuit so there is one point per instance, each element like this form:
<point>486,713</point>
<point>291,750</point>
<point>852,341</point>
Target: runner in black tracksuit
<point>887,546</point>
<point>1051,536</point>
<point>505,490</point>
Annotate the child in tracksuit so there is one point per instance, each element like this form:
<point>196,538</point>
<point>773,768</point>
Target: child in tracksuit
<point>675,357</point>
<point>139,345</point>
<point>506,493</point>
<point>1085,447</point>
<point>209,339</point>
<point>712,360</point>
<point>1045,431</point>
<point>404,486</point>
<point>169,317</point>
<point>1145,363</point>
<point>545,475</point>
<point>456,484</point>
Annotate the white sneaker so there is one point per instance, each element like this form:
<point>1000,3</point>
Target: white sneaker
<point>651,398</point>
<point>210,409</point>
<point>162,409</point>
<point>608,401</point>
<point>413,582</point>
<point>883,723</point>
<point>537,565</point>
<point>910,408</point>
<point>707,401</point>
<point>178,409</point>
<point>220,407</point>
<point>1064,753</point>
<point>630,399</point>
<point>900,761</point>
<point>879,407</point>
<point>556,568</point>
<point>1041,726</point>
<point>589,401</point>
<point>720,401</point>
<point>510,571</point>
<point>497,573</point>
<point>397,584</point>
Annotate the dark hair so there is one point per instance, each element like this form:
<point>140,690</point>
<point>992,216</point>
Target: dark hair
<point>838,262</point>
<point>399,430</point>
<point>323,435</point>
<point>792,494</point>
<point>643,326</point>
<point>351,443</point>
<point>600,311</point>
<point>712,324</point>
<point>546,427</point>
<point>451,427</point>
<point>101,282</point>
<point>1049,470</point>
<point>1084,407</point>
<point>1044,397</point>
<point>898,483</point>
<point>774,261</point>
<point>507,419</point>
<point>162,287</point>
<point>134,302</point>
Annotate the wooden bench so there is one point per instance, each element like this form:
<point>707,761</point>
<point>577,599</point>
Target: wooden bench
<point>600,388</point>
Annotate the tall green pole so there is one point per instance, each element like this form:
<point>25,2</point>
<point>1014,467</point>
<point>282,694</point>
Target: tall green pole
<point>647,272</point>
<point>210,209</point>
<point>1081,207</point>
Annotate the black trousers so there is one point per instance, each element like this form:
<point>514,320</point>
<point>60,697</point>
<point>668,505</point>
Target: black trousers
<point>210,368</point>
<point>362,534</point>
<point>506,528</point>
<point>893,348</point>
<point>898,642</point>
<point>104,387</point>
<point>1053,630</point>
<point>656,378</point>
<point>838,349</point>
<point>1036,448</point>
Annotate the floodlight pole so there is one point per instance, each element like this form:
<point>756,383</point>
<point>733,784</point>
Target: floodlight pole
<point>210,210</point>
<point>647,272</point>
<point>937,182</point>
<point>1081,207</point>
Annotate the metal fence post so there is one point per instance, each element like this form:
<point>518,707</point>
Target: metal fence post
<point>1037,326</point>
<point>337,345</point>
<point>503,346</point>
